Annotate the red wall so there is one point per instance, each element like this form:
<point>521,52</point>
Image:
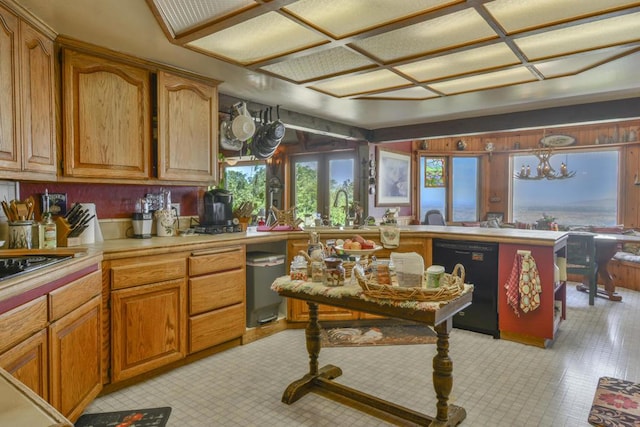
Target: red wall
<point>112,201</point>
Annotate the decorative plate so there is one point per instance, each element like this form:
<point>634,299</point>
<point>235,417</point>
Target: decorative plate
<point>358,251</point>
<point>557,141</point>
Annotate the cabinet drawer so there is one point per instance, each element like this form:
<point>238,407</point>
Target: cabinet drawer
<point>216,327</point>
<point>22,321</point>
<point>220,259</point>
<point>216,290</point>
<point>159,270</point>
<point>66,299</point>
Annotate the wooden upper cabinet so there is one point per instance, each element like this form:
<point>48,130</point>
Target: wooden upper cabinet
<point>37,82</point>
<point>187,129</point>
<point>27,106</point>
<point>106,107</point>
<point>10,145</point>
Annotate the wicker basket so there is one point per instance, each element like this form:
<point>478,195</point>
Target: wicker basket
<point>451,286</point>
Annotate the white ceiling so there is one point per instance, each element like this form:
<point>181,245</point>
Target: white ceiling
<point>415,62</point>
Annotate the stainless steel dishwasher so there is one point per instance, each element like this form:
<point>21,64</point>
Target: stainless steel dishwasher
<point>480,261</point>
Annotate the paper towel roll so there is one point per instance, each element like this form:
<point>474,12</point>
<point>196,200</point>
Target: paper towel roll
<point>92,233</point>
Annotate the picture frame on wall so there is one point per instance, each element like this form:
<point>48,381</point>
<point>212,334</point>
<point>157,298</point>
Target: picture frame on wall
<point>57,203</point>
<point>394,178</point>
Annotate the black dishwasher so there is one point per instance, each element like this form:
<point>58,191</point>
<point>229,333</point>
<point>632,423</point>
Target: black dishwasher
<point>480,261</point>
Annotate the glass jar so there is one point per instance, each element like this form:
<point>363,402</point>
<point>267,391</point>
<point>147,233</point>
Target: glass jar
<point>298,270</point>
<point>334,273</point>
<point>317,271</point>
<point>48,232</point>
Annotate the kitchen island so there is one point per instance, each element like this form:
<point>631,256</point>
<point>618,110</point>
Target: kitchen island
<point>436,314</point>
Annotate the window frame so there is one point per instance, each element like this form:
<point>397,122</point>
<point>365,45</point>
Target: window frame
<point>449,180</point>
<point>513,170</point>
<point>323,199</point>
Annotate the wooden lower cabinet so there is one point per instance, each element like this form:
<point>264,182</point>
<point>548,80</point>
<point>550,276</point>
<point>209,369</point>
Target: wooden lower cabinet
<point>217,296</point>
<point>28,362</point>
<point>148,327</point>
<point>53,344</point>
<point>216,327</point>
<point>75,363</point>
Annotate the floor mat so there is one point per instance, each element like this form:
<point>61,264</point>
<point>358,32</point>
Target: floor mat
<point>359,334</point>
<point>152,417</point>
<point>616,404</point>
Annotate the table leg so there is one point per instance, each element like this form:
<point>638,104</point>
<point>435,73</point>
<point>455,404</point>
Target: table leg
<point>605,250</point>
<point>300,387</point>
<point>443,379</point>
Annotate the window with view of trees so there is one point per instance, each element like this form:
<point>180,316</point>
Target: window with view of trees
<point>450,185</point>
<point>247,183</point>
<point>588,198</point>
<point>316,180</point>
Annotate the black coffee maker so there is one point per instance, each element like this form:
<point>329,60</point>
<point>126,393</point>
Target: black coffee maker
<point>218,207</point>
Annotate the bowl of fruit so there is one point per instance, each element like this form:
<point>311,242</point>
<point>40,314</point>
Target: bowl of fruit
<point>356,246</point>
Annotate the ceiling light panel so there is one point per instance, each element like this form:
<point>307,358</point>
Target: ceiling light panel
<point>485,81</point>
<point>589,36</point>
<point>473,60</point>
<point>520,15</point>
<point>577,63</point>
<point>448,31</point>
<point>412,93</point>
<point>265,36</point>
<point>341,18</point>
<point>181,15</point>
<point>362,83</point>
<point>326,63</point>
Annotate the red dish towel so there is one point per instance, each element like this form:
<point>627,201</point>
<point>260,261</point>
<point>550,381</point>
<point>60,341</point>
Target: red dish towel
<point>523,286</point>
<point>513,292</point>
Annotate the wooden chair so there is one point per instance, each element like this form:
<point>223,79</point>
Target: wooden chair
<point>581,260</point>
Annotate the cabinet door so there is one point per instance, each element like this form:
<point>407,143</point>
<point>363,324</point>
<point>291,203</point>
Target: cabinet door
<point>38,101</point>
<point>27,362</point>
<point>10,152</point>
<point>148,327</point>
<point>107,130</point>
<point>75,359</point>
<point>187,129</point>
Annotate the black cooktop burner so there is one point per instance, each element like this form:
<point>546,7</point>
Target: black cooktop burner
<point>216,229</point>
<point>14,266</point>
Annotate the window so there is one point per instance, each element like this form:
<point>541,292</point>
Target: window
<point>247,184</point>
<point>450,185</point>
<point>588,198</point>
<point>316,180</point>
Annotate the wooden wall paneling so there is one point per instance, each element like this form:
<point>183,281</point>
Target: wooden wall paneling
<point>630,165</point>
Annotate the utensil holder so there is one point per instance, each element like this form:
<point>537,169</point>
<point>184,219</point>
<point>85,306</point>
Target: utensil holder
<point>63,229</point>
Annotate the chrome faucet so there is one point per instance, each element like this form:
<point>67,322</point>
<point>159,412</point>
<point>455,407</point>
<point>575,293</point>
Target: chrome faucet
<point>346,206</point>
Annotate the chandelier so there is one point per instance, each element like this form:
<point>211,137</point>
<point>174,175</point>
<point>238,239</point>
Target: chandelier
<point>544,170</point>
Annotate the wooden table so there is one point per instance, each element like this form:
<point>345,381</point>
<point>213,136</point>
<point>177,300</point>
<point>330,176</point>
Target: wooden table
<point>440,319</point>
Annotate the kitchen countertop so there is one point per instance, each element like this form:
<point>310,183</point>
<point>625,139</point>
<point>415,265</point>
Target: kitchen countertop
<point>19,406</point>
<point>39,281</point>
<point>122,248</point>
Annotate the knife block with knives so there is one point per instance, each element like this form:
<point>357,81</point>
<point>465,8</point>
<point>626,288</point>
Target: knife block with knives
<point>72,225</point>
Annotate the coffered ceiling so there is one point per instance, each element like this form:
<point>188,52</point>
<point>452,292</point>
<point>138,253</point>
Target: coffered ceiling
<point>407,50</point>
<point>379,63</point>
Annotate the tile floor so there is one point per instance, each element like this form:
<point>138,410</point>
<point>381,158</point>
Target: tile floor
<point>499,383</point>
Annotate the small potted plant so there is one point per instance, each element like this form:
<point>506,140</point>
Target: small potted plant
<point>547,222</point>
